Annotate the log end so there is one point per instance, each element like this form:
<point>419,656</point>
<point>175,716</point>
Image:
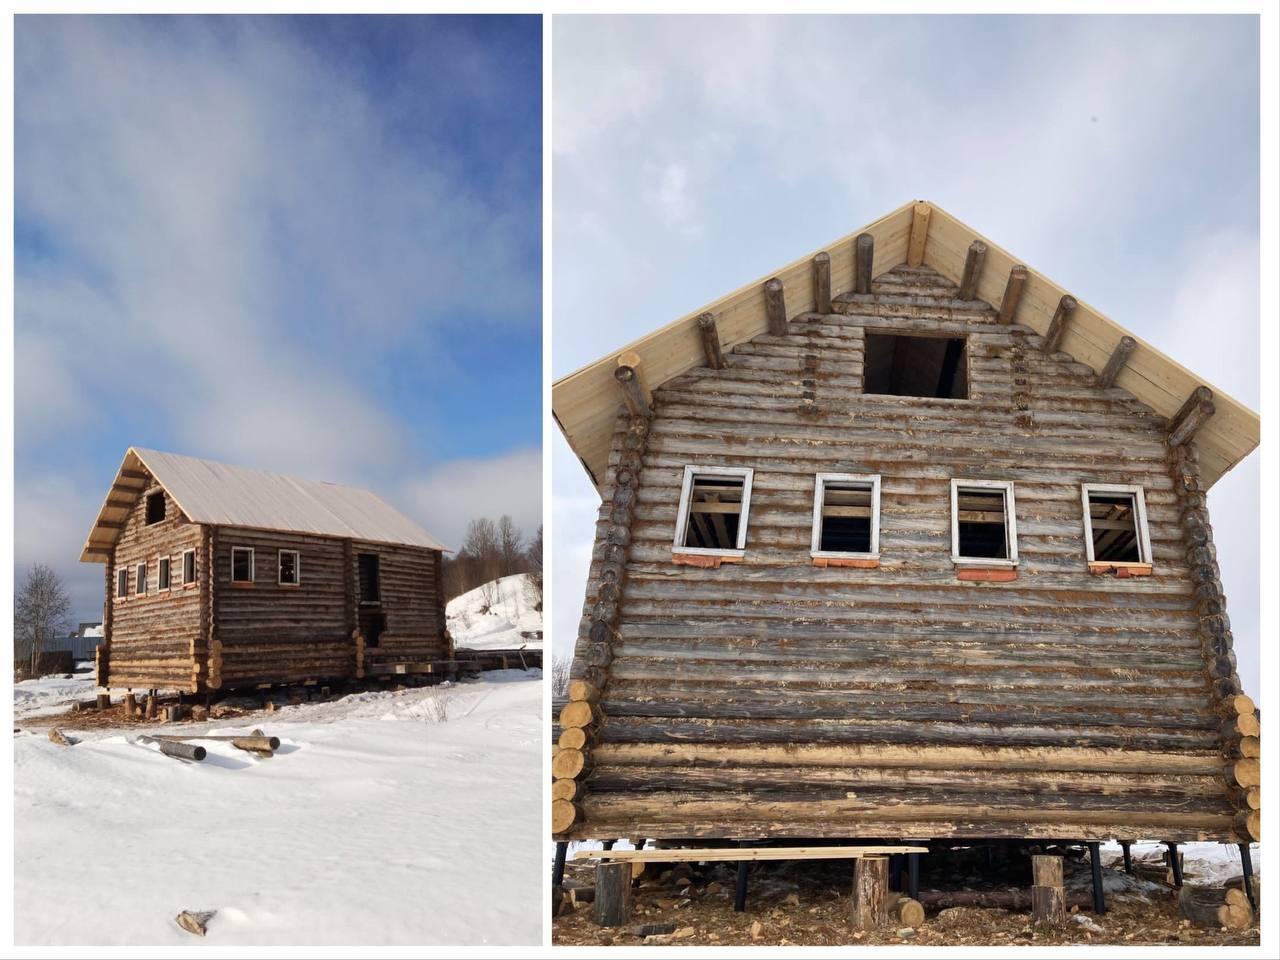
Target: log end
<point>563,816</point>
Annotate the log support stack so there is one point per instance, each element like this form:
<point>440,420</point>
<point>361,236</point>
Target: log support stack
<point>869,910</point>
<point>581,717</point>
<point>1048,898</point>
<point>1239,729</point>
<point>1214,908</point>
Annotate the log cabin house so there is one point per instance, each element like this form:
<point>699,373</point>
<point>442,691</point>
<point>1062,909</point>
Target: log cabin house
<point>219,577</point>
<point>903,541</point>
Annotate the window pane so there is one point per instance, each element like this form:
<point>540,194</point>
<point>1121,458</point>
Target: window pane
<point>189,568</point>
<point>846,517</point>
<point>122,583</point>
<point>1114,523</point>
<point>241,567</point>
<point>905,366</point>
<point>142,579</point>
<point>288,567</point>
<point>155,507</point>
<point>164,573</point>
<point>715,506</point>
<point>980,518</point>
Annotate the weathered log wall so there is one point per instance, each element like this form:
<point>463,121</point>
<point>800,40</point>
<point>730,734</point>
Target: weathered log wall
<point>771,697</point>
<point>412,601</point>
<point>150,638</point>
<point>268,632</point>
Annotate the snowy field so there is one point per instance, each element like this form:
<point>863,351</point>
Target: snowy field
<point>492,616</point>
<point>384,818</point>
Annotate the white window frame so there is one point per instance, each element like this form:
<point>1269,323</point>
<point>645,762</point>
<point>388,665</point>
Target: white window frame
<point>233,565</point>
<point>185,554</point>
<point>744,474</point>
<point>1140,509</point>
<point>1010,523</point>
<point>160,561</point>
<point>140,576</point>
<point>819,495</point>
<point>125,571</point>
<point>297,568</point>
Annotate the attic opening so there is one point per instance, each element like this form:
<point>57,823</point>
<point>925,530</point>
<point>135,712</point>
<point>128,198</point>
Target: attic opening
<point>982,517</point>
<point>155,507</point>
<point>1116,526</point>
<point>370,589</point>
<point>713,509</point>
<point>899,365</point>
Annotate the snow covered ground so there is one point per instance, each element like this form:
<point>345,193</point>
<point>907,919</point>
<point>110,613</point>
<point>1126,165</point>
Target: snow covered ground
<point>384,818</point>
<point>509,603</point>
<point>54,693</point>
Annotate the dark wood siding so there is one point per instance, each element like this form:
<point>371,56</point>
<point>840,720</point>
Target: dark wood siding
<point>771,697</point>
<point>409,586</point>
<point>153,638</point>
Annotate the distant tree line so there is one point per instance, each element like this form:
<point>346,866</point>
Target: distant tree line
<point>490,550</point>
<point>41,610</point>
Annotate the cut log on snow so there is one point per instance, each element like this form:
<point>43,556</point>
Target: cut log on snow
<point>60,738</point>
<point>195,921</point>
<point>1208,907</point>
<point>178,749</point>
<point>870,891</point>
<point>612,905</point>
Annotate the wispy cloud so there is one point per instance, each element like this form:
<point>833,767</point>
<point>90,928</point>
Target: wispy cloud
<point>244,238</point>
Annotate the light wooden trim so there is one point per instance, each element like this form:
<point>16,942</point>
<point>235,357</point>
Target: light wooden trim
<point>1010,523</point>
<point>871,480</point>
<point>919,233</point>
<point>726,854</point>
<point>744,474</point>
<point>232,571</point>
<point>297,568</point>
<point>1139,511</point>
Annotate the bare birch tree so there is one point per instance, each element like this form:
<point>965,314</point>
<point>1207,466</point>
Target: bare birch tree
<point>41,612</point>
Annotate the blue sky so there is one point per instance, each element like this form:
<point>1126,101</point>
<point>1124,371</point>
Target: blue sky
<point>1118,155</point>
<point>309,245</point>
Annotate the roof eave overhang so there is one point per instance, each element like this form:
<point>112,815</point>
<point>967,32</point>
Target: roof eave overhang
<point>587,402</point>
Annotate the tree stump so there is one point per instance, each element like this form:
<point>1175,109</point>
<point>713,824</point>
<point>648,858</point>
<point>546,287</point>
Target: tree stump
<point>151,707</point>
<point>612,904</point>
<point>130,706</point>
<point>870,890</point>
<point>104,701</point>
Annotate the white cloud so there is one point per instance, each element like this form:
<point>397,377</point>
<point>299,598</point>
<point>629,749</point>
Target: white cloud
<point>446,498</point>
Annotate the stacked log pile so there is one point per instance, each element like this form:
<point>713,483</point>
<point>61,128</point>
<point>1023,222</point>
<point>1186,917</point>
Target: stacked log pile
<point>1239,727</point>
<point>581,718</point>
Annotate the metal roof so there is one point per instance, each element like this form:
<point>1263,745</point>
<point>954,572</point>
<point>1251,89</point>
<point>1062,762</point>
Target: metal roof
<point>223,495</point>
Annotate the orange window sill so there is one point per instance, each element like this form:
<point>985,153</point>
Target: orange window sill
<point>1120,570</point>
<point>242,584</point>
<point>706,562</point>
<point>987,574</point>
<point>860,563</point>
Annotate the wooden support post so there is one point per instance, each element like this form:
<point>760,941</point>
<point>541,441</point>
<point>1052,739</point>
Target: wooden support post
<point>895,868</point>
<point>1058,325</point>
<point>870,888</point>
<point>973,261</point>
<point>1128,858</point>
<point>822,283</point>
<point>710,341</point>
<point>1012,293</point>
<point>864,248</point>
<point>103,701</point>
<point>1191,417</point>
<point>1095,867</point>
<point>919,234</point>
<point>1175,863</point>
<point>1115,363</point>
<point>130,705</point>
<point>612,906</point>
<point>557,867</point>
<point>775,307</point>
<point>633,392</point>
<point>1048,899</point>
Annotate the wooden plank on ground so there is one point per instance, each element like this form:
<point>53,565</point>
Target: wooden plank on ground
<point>734,854</point>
